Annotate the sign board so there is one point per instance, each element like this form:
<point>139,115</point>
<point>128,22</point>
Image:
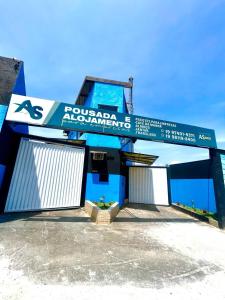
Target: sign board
<point>67,116</point>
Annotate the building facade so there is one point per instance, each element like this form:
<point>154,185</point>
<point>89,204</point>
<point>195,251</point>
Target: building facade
<point>38,173</point>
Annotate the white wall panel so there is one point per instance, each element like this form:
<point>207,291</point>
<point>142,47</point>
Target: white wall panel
<point>45,176</point>
<point>148,186</point>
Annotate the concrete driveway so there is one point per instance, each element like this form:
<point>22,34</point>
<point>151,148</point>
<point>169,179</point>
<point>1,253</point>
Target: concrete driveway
<point>148,252</point>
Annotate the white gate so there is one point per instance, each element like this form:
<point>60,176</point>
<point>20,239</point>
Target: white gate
<point>45,176</point>
<point>148,185</point>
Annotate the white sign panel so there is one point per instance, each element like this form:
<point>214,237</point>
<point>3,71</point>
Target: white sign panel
<point>28,109</point>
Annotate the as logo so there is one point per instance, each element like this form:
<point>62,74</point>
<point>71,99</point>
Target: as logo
<point>34,111</point>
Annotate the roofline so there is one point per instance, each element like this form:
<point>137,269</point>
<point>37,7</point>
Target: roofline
<point>103,80</point>
<point>11,58</point>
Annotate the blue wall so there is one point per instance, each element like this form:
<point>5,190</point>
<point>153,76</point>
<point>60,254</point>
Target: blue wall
<point>198,193</point>
<point>113,190</point>
<point>222,156</point>
<point>20,87</point>
<point>192,185</point>
<point>106,94</point>
<point>2,173</point>
<point>3,111</point>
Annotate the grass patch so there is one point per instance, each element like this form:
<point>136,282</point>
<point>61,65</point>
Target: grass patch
<point>104,205</point>
<point>200,211</point>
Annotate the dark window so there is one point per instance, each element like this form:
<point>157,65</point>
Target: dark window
<point>99,162</point>
<point>108,107</point>
<point>99,165</point>
<point>96,166</point>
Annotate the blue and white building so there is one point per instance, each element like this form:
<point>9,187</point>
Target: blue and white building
<point>39,173</point>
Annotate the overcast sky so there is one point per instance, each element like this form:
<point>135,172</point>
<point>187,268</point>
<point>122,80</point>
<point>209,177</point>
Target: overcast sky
<point>174,49</point>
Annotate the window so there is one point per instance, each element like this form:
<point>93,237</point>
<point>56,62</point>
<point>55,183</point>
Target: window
<point>99,165</point>
<point>108,107</point>
<point>98,156</point>
<point>98,161</point>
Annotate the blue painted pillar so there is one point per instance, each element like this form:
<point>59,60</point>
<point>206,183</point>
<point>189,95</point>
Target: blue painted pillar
<point>109,97</point>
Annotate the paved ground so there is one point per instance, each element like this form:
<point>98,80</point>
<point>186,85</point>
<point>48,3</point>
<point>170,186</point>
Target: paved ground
<point>148,252</point>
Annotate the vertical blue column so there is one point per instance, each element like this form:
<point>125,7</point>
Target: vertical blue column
<point>3,111</point>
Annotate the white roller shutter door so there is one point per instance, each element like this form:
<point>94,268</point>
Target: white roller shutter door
<point>45,176</point>
<point>148,186</point>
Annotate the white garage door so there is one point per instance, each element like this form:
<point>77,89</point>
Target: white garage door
<point>45,176</point>
<point>148,186</point>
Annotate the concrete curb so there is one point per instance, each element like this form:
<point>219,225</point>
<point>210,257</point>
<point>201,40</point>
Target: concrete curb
<point>101,216</point>
<point>196,215</point>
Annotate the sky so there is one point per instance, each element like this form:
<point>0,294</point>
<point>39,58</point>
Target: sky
<point>174,49</point>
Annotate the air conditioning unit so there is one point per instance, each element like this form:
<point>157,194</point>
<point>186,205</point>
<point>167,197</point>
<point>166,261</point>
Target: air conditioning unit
<point>98,155</point>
